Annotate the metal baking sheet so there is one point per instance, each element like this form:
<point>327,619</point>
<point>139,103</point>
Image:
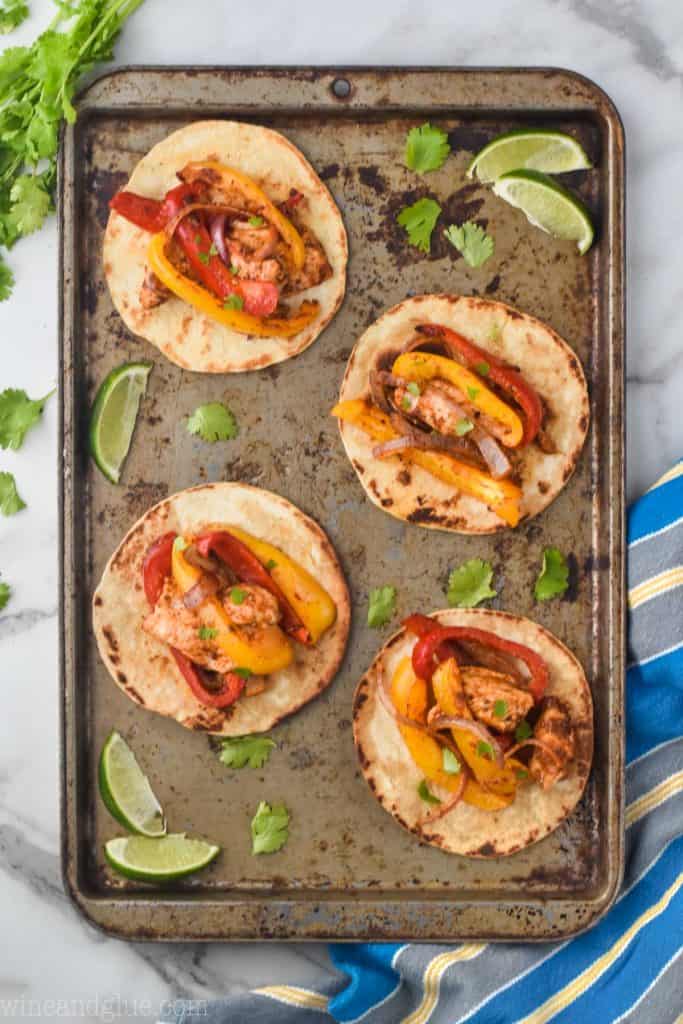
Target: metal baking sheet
<point>348,871</point>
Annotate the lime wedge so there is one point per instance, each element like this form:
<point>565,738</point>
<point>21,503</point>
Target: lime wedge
<point>533,149</point>
<point>114,414</point>
<point>159,860</point>
<point>126,792</point>
<point>547,205</point>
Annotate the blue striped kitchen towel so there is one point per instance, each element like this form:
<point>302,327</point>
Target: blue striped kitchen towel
<point>628,969</point>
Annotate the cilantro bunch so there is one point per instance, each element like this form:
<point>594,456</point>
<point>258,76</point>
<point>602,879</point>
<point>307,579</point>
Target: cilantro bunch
<point>37,85</point>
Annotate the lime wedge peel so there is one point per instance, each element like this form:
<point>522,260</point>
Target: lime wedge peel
<point>159,860</point>
<point>126,791</point>
<point>547,205</point>
<point>528,149</point>
<point>114,414</point>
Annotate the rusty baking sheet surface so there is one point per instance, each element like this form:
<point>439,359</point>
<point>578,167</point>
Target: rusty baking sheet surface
<point>348,871</point>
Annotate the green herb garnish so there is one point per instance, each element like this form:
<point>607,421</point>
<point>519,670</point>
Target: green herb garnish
<point>523,731</point>
<point>427,148</point>
<point>256,221</point>
<point>424,793</point>
<point>204,257</point>
<point>472,393</point>
<point>463,427</point>
<point>239,751</point>
<point>271,564</point>
<point>449,761</point>
<point>5,591</point>
<point>237,595</point>
<point>471,241</point>
<point>382,606</point>
<point>10,500</point>
<point>12,13</point>
<point>18,413</point>
<point>213,422</point>
<point>234,302</point>
<point>418,221</point>
<point>179,544</point>
<point>207,633</point>
<point>470,584</point>
<point>269,828</point>
<point>243,673</point>
<point>553,579</point>
<point>485,749</point>
<point>500,709</point>
<point>413,388</point>
<point>482,368</point>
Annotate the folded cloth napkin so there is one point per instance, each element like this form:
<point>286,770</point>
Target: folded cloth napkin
<point>628,968</point>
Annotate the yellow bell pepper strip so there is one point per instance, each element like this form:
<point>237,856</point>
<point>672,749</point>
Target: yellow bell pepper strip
<point>500,783</point>
<point>501,496</point>
<point>202,299</point>
<point>310,601</point>
<point>263,652</point>
<point>422,367</point>
<point>229,179</point>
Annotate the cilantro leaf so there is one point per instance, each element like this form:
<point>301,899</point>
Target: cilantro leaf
<point>213,422</point>
<point>426,148</point>
<point>18,413</point>
<point>523,731</point>
<point>521,774</point>
<point>30,203</point>
<point>382,606</point>
<point>271,564</point>
<point>553,579</point>
<point>482,368</point>
<point>234,301</point>
<point>470,584</point>
<point>239,751</point>
<point>424,793</point>
<point>12,13</point>
<point>269,828</point>
<point>449,761</point>
<point>414,388</point>
<point>463,427</point>
<point>237,595</point>
<point>471,241</point>
<point>418,221</point>
<point>6,281</point>
<point>500,709</point>
<point>256,221</point>
<point>472,393</point>
<point>243,673</point>
<point>207,633</point>
<point>5,592</point>
<point>10,502</point>
<point>485,749</point>
<point>179,544</point>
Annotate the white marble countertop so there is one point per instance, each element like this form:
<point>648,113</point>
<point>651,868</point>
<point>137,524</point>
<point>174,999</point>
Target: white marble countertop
<point>634,50</point>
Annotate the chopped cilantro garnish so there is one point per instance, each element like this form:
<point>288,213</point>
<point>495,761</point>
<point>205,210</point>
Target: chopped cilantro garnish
<point>463,427</point>
<point>482,368</point>
<point>213,422</point>
<point>449,761</point>
<point>269,828</point>
<point>426,148</point>
<point>234,270</point>
<point>234,302</point>
<point>485,749</point>
<point>521,773</point>
<point>471,241</point>
<point>179,544</point>
<point>18,413</point>
<point>382,606</point>
<point>470,584</point>
<point>243,673</point>
<point>204,257</point>
<point>523,731</point>
<point>500,709</point>
<point>12,13</point>
<point>424,793</point>
<point>256,221</point>
<point>418,221</point>
<point>207,633</point>
<point>237,595</point>
<point>10,501</point>
<point>239,751</point>
<point>406,403</point>
<point>271,564</point>
<point>553,579</point>
<point>413,388</point>
<point>472,393</point>
<point>213,251</point>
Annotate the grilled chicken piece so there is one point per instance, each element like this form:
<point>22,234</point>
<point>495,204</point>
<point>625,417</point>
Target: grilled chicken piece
<point>487,691</point>
<point>316,268</point>
<point>251,606</point>
<point>440,405</point>
<point>174,624</point>
<point>554,728</point>
<point>152,293</point>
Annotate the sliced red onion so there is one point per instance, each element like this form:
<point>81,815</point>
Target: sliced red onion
<point>392,447</point>
<point>191,555</point>
<point>497,461</point>
<point>411,723</point>
<point>476,729</point>
<point>532,742</point>
<point>448,805</point>
<point>205,588</point>
<point>217,232</point>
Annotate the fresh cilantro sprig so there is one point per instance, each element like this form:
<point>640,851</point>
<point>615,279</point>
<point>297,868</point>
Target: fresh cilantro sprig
<point>213,422</point>
<point>37,85</point>
<point>553,578</point>
<point>471,241</point>
<point>12,13</point>
<point>381,607</point>
<point>5,591</point>
<point>427,148</point>
<point>424,793</point>
<point>269,828</point>
<point>419,221</point>
<point>18,413</point>
<point>253,751</point>
<point>10,501</point>
<point>470,584</point>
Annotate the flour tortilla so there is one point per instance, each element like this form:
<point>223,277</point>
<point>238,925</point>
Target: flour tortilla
<point>394,777</point>
<point>143,667</point>
<point>548,364</point>
<point>185,335</point>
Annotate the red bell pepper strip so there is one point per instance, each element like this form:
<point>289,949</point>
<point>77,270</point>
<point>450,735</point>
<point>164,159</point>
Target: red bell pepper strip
<point>248,569</point>
<point>426,652</point>
<point>155,568</point>
<point>500,373</point>
<point>260,298</point>
<point>420,625</point>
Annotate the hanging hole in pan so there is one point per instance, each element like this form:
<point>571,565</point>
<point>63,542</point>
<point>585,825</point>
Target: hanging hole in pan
<point>341,88</point>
